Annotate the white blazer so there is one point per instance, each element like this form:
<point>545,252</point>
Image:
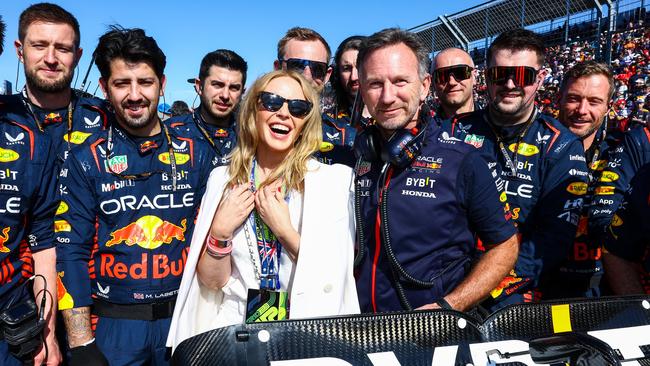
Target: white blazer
<point>323,283</point>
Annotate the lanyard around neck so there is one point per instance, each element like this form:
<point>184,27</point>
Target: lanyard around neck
<point>30,107</point>
<point>138,176</point>
<point>512,162</point>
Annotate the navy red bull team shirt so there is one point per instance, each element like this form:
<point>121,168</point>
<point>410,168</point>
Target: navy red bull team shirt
<point>88,117</point>
<point>545,188</point>
<point>142,226</point>
<point>628,235</point>
<point>435,207</point>
<point>616,174</point>
<point>222,140</point>
<point>27,202</point>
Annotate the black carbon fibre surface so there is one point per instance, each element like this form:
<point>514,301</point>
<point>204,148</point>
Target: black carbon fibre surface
<point>411,337</point>
<point>530,321</point>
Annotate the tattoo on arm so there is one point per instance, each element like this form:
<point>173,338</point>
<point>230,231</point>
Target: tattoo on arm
<point>77,324</point>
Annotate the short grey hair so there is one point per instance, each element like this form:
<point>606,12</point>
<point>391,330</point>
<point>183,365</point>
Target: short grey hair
<point>390,37</point>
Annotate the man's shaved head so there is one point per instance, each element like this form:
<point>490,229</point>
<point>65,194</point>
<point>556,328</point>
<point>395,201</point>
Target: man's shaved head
<point>454,88</point>
<point>452,56</point>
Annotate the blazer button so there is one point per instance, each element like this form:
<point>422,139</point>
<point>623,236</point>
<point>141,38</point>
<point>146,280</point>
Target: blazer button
<point>327,288</point>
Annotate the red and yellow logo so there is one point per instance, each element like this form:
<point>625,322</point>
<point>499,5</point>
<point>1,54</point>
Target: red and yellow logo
<point>599,165</point>
<point>524,149</point>
<point>62,225</point>
<point>3,239</point>
<point>180,158</point>
<point>65,299</point>
<point>577,188</point>
<point>221,133</point>
<point>604,191</point>
<point>148,232</point>
<point>509,284</point>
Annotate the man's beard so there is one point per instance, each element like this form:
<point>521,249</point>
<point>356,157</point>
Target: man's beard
<point>55,86</point>
<point>140,122</point>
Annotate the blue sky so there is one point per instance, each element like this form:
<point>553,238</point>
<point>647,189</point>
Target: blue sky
<point>187,30</point>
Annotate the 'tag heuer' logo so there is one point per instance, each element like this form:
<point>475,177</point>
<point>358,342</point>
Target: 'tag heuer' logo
<point>116,164</point>
<point>524,149</point>
<point>180,158</point>
<point>148,232</point>
<point>7,155</point>
<point>577,188</point>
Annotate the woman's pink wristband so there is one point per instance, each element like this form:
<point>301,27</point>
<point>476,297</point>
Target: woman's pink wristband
<point>217,248</point>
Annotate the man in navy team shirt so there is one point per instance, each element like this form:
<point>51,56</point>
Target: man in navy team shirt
<point>539,163</point>
<point>422,194</point>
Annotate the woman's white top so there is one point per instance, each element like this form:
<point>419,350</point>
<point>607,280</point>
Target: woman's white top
<point>319,284</point>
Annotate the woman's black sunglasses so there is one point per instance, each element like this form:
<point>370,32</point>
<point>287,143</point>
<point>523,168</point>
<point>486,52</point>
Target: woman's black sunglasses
<point>273,102</point>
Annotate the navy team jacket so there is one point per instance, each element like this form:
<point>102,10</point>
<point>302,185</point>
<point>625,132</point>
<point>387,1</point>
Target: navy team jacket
<point>122,240</point>
<point>434,209</point>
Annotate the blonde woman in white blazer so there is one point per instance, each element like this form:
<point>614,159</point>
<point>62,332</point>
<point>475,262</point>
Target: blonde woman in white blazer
<point>306,204</point>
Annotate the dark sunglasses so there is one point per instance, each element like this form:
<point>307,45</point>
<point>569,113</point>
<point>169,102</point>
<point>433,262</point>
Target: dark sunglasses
<point>460,72</point>
<point>273,102</point>
<point>520,75</point>
<point>318,69</point>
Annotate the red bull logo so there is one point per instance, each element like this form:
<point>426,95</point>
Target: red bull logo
<point>583,252</point>
<point>52,118</point>
<point>154,266</point>
<point>509,284</point>
<point>7,268</point>
<point>64,298</point>
<point>148,232</point>
<point>221,133</point>
<point>3,239</point>
<point>147,146</point>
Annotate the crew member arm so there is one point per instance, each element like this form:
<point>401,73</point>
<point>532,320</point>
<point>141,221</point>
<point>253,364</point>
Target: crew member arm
<point>42,245</point>
<point>75,230</point>
<point>485,275</point>
<point>551,226</point>
<point>627,239</point>
<point>491,220</point>
<point>614,179</point>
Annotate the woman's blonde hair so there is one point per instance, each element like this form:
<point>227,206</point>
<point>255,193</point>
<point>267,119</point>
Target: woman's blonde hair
<point>293,168</point>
